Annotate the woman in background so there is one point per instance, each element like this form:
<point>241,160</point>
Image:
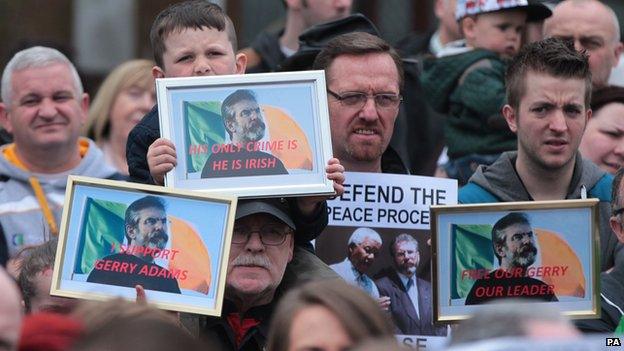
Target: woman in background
<point>603,140</point>
<point>126,95</point>
<point>326,315</point>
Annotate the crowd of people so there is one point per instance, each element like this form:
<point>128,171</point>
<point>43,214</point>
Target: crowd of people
<point>511,98</point>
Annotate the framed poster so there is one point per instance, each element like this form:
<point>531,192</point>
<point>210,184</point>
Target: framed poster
<point>252,135</point>
<point>542,251</point>
<point>116,235</point>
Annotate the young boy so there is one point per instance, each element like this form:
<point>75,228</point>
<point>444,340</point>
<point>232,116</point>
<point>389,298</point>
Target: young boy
<point>196,38</point>
<point>468,85</point>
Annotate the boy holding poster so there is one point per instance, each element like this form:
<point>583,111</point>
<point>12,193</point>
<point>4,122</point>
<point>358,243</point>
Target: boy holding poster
<point>196,38</point>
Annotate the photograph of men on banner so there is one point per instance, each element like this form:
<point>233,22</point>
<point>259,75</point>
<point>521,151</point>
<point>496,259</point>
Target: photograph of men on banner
<point>490,254</point>
<point>378,239</point>
<point>246,127</point>
<point>115,237</point>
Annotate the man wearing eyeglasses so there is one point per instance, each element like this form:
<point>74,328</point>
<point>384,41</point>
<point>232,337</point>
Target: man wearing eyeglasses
<point>133,264</point>
<point>513,241</point>
<point>364,79</point>
<point>244,123</point>
<point>262,245</point>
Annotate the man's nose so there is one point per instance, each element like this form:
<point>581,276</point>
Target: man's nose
<point>558,122</point>
<point>254,243</point>
<point>47,108</point>
<point>619,148</point>
<point>342,5</point>
<point>369,112</point>
<point>202,67</point>
<point>159,225</point>
<point>255,114</point>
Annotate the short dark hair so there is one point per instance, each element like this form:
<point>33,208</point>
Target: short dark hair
<point>132,212</point>
<point>36,259</point>
<point>359,44</point>
<point>188,14</point>
<point>498,234</point>
<point>553,56</point>
<point>227,110</point>
<point>616,199</point>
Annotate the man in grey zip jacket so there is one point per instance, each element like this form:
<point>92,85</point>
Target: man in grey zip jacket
<point>549,119</point>
<point>44,108</point>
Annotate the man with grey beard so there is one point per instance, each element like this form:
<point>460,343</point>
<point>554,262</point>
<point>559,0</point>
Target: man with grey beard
<point>262,245</point>
<point>133,264</point>
<point>244,122</point>
<point>513,242</point>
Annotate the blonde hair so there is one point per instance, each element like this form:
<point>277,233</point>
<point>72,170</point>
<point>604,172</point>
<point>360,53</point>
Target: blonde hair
<point>130,73</point>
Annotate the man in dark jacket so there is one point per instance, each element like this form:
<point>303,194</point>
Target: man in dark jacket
<point>611,282</point>
<point>410,296</point>
<point>262,245</point>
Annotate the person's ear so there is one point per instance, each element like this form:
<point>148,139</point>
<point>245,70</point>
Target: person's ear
<point>616,226</point>
<point>499,250</point>
<point>158,72</point>
<point>588,114</point>
<point>5,121</point>
<point>131,231</point>
<point>467,26</point>
<point>241,63</point>
<point>291,247</point>
<point>229,125</point>
<point>439,7</point>
<point>84,108</point>
<point>510,116</point>
<point>617,51</point>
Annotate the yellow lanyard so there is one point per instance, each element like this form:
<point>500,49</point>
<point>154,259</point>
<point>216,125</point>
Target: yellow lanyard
<point>11,156</point>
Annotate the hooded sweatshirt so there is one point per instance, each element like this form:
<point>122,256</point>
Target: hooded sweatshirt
<point>21,218</point>
<point>469,88</point>
<point>500,182</point>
